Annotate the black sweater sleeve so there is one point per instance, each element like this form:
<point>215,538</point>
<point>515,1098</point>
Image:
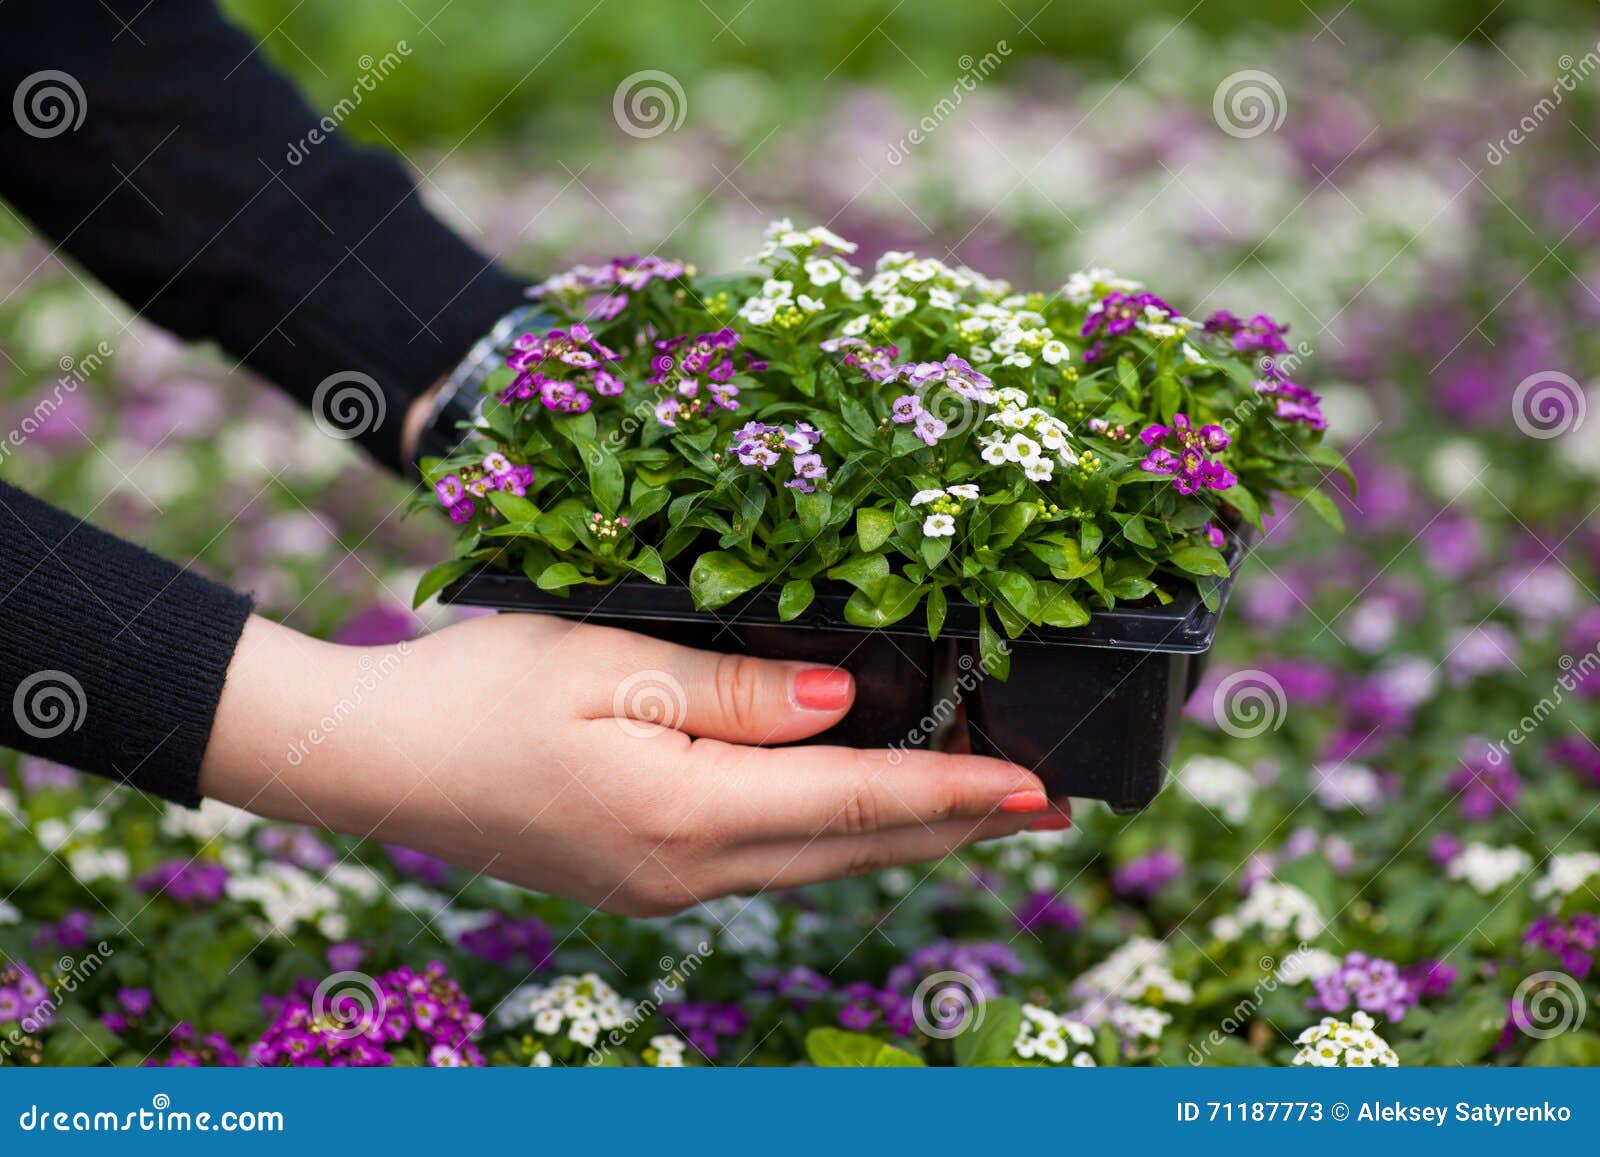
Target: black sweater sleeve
<point>112,659</point>
<point>152,144</point>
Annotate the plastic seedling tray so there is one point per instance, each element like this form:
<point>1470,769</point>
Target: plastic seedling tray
<point>1094,710</point>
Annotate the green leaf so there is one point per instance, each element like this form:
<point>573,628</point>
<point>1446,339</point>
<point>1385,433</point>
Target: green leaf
<point>718,578</point>
<point>1244,502</point>
<point>1200,560</point>
<point>938,606</point>
<point>991,1041</point>
<point>1089,539</point>
<point>1324,507</point>
<point>835,1048</point>
<point>861,571</point>
<point>1018,590</point>
<point>873,527</point>
<point>1168,396</point>
<point>891,600</point>
<point>934,551</point>
<point>795,598</point>
<point>813,510</point>
<point>1128,379</point>
<point>515,509</point>
<point>78,1040</point>
<point>648,563</point>
<point>1059,609</point>
<point>439,576</point>
<point>558,576</point>
<point>993,651</point>
<point>1135,531</point>
<point>605,478</point>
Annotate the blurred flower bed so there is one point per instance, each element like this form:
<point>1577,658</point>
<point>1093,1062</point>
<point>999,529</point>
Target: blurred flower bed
<point>1379,843</point>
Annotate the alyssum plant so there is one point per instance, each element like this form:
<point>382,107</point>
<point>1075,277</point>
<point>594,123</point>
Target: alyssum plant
<point>920,434</point>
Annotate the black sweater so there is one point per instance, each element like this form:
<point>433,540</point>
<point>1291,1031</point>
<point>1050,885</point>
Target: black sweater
<point>152,144</point>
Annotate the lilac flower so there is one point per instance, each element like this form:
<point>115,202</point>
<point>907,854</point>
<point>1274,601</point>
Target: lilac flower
<point>68,934</point>
<point>929,428</point>
<point>1259,335</point>
<point>559,367</point>
<point>345,956</point>
<point>1182,450</point>
<point>429,869</point>
<point>1147,875</point>
<point>956,372</point>
<point>980,961</point>
<point>865,1005</point>
<point>200,883</point>
<point>604,289</point>
<point>876,362</point>
<point>1371,984</point>
<point>1429,979</point>
<point>760,447</point>
<point>906,409</point>
<point>1481,650</point>
<point>452,495</point>
<point>1579,755</point>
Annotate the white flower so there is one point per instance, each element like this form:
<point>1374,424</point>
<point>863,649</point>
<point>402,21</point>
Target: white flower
<point>1021,448</point>
<point>1275,909</point>
<point>938,526</point>
<point>584,1032</point>
<point>1044,1035</point>
<point>822,271</point>
<point>1332,1043</point>
<point>1219,784</point>
<point>856,326</point>
<point>1139,971</point>
<point>1306,964</point>
<point>1037,469</point>
<point>1566,874</point>
<point>541,1060</point>
<point>923,497</point>
<point>898,305</point>
<point>1343,786</point>
<point>52,834</point>
<point>1055,352</point>
<point>9,913</point>
<point>1488,869</point>
<point>993,449</point>
<point>90,864</point>
<point>966,491</point>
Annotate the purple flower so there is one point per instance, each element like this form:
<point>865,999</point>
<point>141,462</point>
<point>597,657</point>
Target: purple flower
<point>1147,875</point>
<point>1118,313</point>
<point>1295,403</point>
<point>508,942</point>
<point>1486,780</point>
<point>1371,984</point>
<point>759,446</point>
<point>906,408</point>
<point>956,372</point>
<point>876,362</point>
<point>1044,910</point>
<point>1182,450</point>
<point>706,1024</point>
<point>1259,335</point>
<point>429,869</point>
<point>929,428</point>
<point>1575,940</point>
<point>23,997</point>
<point>346,956</point>
<point>200,883</point>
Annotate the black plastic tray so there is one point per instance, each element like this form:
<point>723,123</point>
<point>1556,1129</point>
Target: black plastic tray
<point>1093,710</point>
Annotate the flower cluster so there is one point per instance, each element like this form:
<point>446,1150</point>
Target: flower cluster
<point>697,375</point>
<point>1026,437</point>
<point>1293,402</point>
<point>1332,1044</point>
<point>943,507</point>
<point>561,368</point>
<point>1118,314</point>
<point>603,290</point>
<point>507,941</point>
<point>199,882</point>
<point>1259,335</point>
<point>571,1009</point>
<point>1044,1036</point>
<point>1488,869</point>
<point>364,1025</point>
<point>706,1024</point>
<point>1574,940</point>
<point>1184,451</point>
<point>1275,910</point>
<point>22,996</point>
<point>455,491</point>
<point>1147,875</point>
<point>1371,984</point>
<point>758,445</point>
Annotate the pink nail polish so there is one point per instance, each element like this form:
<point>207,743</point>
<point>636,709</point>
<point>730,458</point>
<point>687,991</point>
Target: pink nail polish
<point>1053,823</point>
<point>822,688</point>
<point>1024,801</point>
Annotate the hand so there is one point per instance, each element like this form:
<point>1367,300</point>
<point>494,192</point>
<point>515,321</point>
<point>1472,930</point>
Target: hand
<point>535,750</point>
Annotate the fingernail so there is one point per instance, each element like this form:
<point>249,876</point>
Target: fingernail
<point>1024,801</point>
<point>822,688</point>
<point>1053,823</point>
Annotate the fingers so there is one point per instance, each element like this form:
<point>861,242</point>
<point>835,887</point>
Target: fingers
<point>735,698</point>
<point>791,863</point>
<point>839,791</point>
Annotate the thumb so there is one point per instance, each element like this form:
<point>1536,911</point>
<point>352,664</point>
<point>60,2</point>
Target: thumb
<point>734,698</point>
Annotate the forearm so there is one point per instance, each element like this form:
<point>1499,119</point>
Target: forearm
<point>186,190</point>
